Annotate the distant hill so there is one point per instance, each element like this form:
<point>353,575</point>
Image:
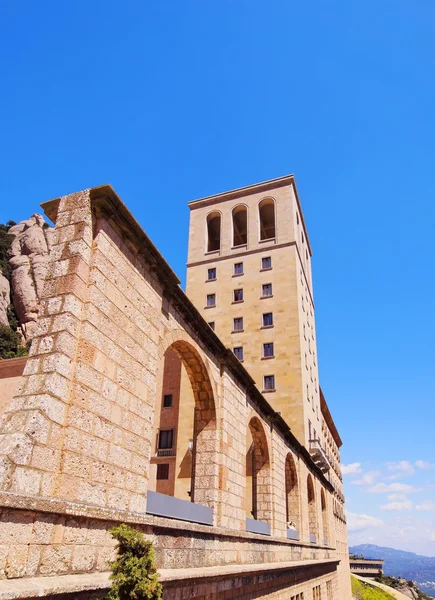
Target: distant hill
<point>402,564</point>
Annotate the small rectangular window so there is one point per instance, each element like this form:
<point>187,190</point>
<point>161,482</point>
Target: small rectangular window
<point>211,325</point>
<point>238,295</point>
<point>211,274</point>
<point>238,324</point>
<point>167,401</point>
<point>267,319</point>
<point>238,352</point>
<point>266,262</point>
<point>269,382</point>
<point>268,350</point>
<point>297,218</point>
<point>238,268</point>
<point>163,471</point>
<point>267,289</point>
<point>166,437</point>
<point>211,299</point>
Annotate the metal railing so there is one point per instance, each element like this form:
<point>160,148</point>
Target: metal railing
<point>166,452</point>
<point>319,455</point>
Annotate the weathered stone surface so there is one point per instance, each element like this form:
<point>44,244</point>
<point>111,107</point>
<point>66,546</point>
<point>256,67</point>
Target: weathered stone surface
<point>5,299</point>
<point>29,258</point>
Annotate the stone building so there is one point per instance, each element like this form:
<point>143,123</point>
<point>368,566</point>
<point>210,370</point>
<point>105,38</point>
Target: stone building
<point>366,567</point>
<point>132,409</point>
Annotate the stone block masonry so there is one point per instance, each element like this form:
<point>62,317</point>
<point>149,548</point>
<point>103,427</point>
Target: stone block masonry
<point>76,440</point>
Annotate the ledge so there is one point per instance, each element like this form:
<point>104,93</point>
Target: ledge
<point>92,511</point>
<point>167,575</point>
<point>39,587</point>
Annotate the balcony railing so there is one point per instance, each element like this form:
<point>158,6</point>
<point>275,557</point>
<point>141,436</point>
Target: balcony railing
<point>166,452</point>
<point>319,456</point>
<point>161,505</point>
<point>293,534</point>
<point>256,526</point>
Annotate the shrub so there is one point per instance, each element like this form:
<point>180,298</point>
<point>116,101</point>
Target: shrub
<point>134,574</point>
<point>363,591</point>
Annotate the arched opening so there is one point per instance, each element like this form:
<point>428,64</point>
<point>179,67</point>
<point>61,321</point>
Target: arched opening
<point>185,455</point>
<point>291,498</point>
<point>312,518</point>
<point>258,493</point>
<point>266,210</point>
<point>324,518</point>
<point>240,225</point>
<point>213,231</point>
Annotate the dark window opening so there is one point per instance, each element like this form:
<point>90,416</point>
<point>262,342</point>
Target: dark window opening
<point>269,382</point>
<point>213,232</point>
<point>211,325</point>
<point>239,352</point>
<point>267,319</point>
<point>238,269</point>
<point>238,324</point>
<point>267,289</point>
<point>211,274</point>
<point>163,471</point>
<point>266,262</point>
<point>240,226</point>
<point>268,350</point>
<point>167,401</point>
<point>267,219</point>
<point>238,295</point>
<point>166,438</point>
<point>211,299</point>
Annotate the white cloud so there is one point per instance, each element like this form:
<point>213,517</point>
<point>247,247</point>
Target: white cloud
<point>403,467</point>
<point>394,506</point>
<point>397,497</point>
<point>432,537</point>
<point>367,479</point>
<point>426,505</point>
<point>383,488</point>
<point>359,522</point>
<point>351,469</point>
<point>423,464</point>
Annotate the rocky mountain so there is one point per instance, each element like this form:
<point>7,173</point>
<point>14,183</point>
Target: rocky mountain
<point>24,256</point>
<point>399,563</point>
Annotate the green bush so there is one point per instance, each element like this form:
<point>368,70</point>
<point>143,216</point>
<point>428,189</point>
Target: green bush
<point>363,591</point>
<point>134,574</point>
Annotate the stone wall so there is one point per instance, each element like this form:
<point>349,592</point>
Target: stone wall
<point>76,441</point>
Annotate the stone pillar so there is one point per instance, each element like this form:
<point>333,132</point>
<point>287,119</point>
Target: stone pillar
<point>31,429</point>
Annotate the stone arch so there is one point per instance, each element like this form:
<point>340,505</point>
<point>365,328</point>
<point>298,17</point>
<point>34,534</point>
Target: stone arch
<point>312,516</point>
<point>203,450</point>
<point>258,497</point>
<point>240,225</point>
<point>214,227</point>
<point>292,491</point>
<point>324,518</point>
<point>267,219</point>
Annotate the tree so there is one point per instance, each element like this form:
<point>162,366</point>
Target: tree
<point>134,574</point>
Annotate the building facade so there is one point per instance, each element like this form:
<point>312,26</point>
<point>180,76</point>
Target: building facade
<point>366,567</point>
<point>249,275</point>
<point>131,409</point>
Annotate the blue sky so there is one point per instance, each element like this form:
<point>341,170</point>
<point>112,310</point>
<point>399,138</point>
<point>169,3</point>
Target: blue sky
<point>171,101</point>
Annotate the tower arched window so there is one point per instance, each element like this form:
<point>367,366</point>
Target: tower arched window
<point>213,231</point>
<point>266,210</point>
<point>240,225</point>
